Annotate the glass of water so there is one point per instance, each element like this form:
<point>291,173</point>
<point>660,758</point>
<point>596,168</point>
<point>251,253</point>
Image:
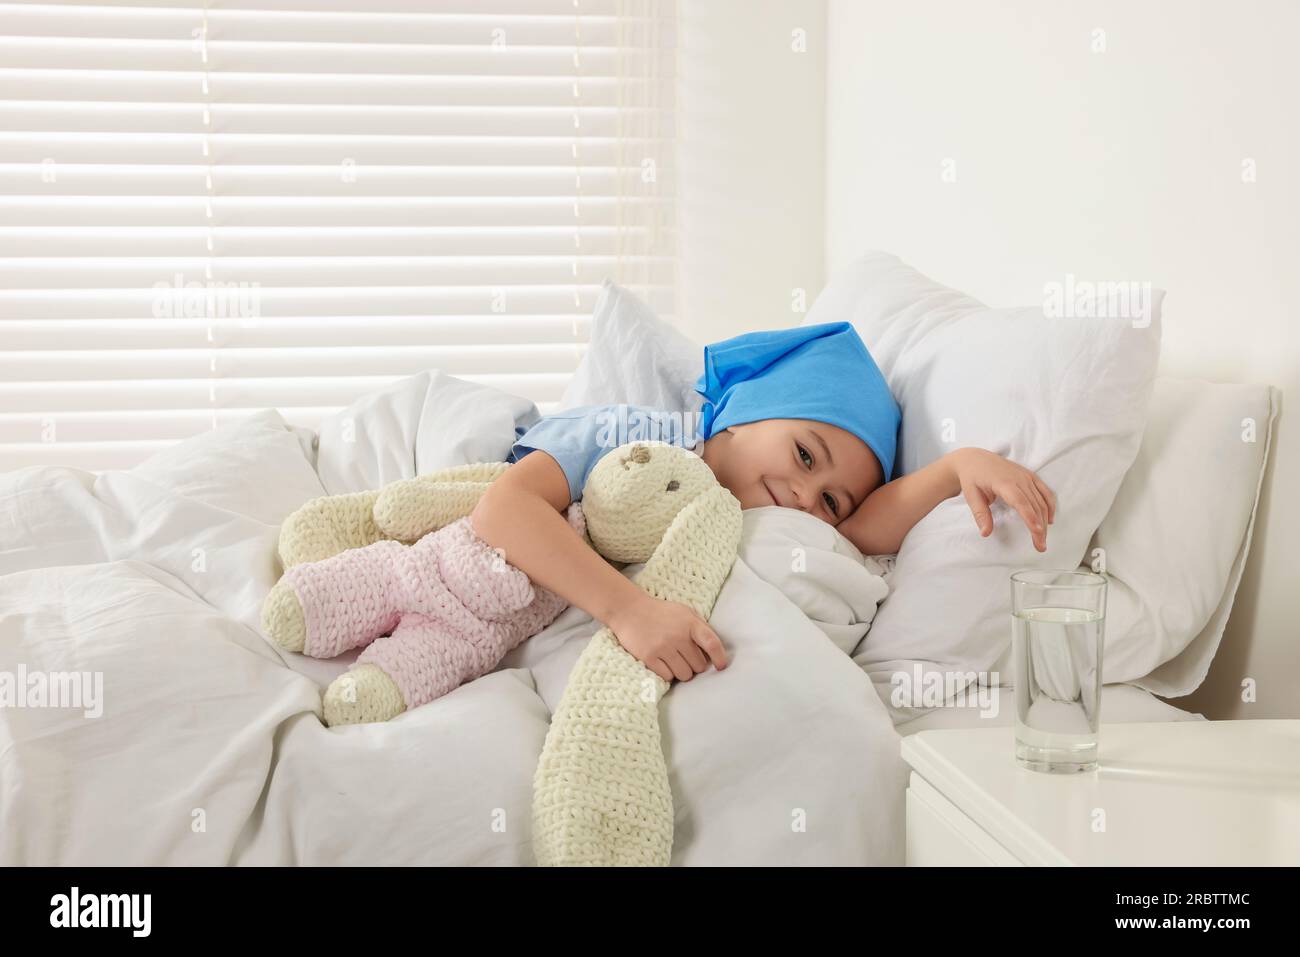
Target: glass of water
<point>1057,628</point>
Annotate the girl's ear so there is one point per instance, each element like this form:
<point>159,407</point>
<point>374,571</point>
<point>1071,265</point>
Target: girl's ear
<point>696,553</point>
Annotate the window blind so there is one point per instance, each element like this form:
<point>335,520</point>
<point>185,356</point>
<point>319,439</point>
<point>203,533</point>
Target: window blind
<point>213,209</point>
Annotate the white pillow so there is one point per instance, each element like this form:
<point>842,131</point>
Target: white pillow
<point>1064,397</point>
<point>256,466</point>
<point>635,358</point>
<point>208,510</point>
<point>1176,538</point>
<point>418,425</point>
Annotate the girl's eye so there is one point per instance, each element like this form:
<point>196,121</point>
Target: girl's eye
<point>831,503</point>
<point>804,452</point>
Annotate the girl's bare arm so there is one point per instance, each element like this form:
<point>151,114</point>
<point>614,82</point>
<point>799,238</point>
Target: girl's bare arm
<point>522,514</point>
<point>884,518</point>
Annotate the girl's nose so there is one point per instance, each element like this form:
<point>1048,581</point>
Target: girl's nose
<point>800,490</point>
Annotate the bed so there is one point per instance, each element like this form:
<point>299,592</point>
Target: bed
<point>204,744</point>
<point>150,722</point>
<point>208,746</point>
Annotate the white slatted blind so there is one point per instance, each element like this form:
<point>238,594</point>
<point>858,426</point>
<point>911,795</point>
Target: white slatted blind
<point>213,209</point>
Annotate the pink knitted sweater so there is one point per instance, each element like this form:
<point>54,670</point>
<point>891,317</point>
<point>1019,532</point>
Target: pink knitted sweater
<point>450,606</point>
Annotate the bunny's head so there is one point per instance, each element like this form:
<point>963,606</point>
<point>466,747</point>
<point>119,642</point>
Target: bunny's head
<point>637,492</point>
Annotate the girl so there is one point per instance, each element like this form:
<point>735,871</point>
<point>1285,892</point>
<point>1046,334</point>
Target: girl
<point>795,418</point>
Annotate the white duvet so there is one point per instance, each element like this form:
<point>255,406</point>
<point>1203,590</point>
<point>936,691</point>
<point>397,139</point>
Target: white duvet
<point>208,746</point>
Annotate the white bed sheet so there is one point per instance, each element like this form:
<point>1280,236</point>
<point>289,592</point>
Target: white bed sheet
<point>210,748</point>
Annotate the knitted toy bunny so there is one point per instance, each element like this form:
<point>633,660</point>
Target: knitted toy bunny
<point>448,608</point>
<point>429,617</point>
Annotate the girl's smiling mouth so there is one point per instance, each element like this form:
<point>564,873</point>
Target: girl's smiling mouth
<point>769,492</point>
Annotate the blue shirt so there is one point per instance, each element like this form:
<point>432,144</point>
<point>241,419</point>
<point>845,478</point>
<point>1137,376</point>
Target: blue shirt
<point>578,438</point>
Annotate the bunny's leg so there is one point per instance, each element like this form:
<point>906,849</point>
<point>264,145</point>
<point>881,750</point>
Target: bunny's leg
<point>472,609</point>
<point>361,695</point>
<point>427,656</point>
<point>469,608</point>
<point>424,658</point>
<point>325,608</point>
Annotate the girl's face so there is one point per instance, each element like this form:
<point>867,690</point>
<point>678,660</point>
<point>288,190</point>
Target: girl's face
<point>795,463</point>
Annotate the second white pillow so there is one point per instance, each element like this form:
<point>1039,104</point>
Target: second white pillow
<point>635,358</point>
<point>1064,397</point>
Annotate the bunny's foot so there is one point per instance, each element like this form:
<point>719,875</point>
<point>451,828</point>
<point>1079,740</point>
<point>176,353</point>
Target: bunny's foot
<point>283,619</point>
<point>364,694</point>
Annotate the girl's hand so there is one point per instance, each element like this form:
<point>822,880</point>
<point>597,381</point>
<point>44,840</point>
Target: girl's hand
<point>986,476</point>
<point>668,638</point>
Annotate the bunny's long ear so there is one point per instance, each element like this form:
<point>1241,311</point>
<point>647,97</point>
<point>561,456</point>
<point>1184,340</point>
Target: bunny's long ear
<point>696,553</point>
<point>601,792</point>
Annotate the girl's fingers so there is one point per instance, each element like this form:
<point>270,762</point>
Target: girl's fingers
<point>1037,497</point>
<point>1050,496</point>
<point>693,655</point>
<point>979,507</point>
<point>1036,504</point>
<point>677,664</point>
<point>708,640</point>
<point>659,667</point>
<point>1019,500</point>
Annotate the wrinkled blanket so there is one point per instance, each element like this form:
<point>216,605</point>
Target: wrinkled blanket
<point>147,721</point>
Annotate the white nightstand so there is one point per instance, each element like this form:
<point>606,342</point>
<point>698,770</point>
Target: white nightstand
<point>1167,793</point>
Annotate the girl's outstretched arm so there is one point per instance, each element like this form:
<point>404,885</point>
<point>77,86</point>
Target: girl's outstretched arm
<point>884,518</point>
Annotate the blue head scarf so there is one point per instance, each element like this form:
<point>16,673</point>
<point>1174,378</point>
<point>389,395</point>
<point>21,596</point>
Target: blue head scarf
<point>821,372</point>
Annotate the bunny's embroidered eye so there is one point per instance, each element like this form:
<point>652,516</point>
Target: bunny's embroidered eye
<point>674,485</point>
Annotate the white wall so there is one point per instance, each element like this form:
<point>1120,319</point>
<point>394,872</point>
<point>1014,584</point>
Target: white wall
<point>752,163</point>
<point>1122,164</point>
